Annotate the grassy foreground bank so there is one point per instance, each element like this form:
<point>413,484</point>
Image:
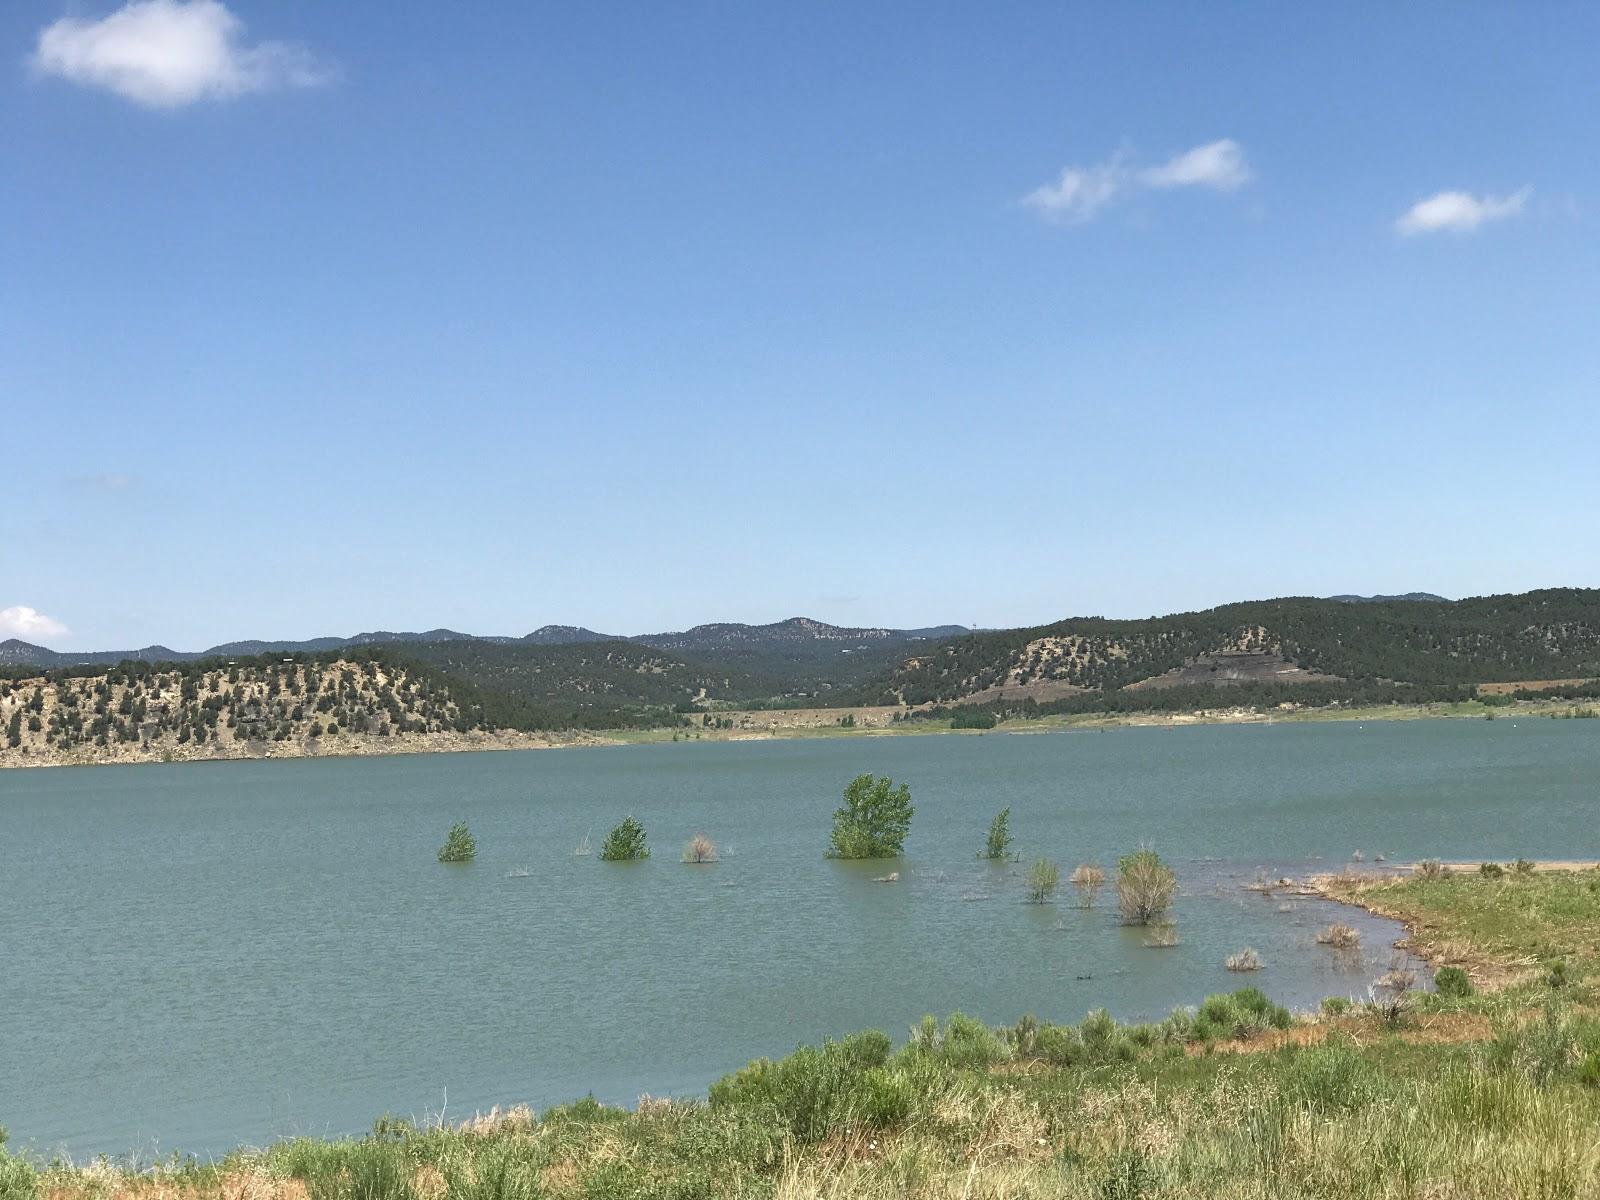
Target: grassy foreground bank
<point>1494,1092</point>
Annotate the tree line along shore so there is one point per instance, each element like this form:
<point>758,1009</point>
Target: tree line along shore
<point>306,706</point>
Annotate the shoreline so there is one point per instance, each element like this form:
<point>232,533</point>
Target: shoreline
<point>760,725</point>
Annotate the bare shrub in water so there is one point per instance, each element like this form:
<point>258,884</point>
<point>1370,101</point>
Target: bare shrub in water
<point>1246,960</point>
<point>1340,937</point>
<point>700,849</point>
<point>1088,879</point>
<point>1145,886</point>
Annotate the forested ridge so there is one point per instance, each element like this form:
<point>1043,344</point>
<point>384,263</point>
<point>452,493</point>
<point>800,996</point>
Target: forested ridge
<point>1535,635</point>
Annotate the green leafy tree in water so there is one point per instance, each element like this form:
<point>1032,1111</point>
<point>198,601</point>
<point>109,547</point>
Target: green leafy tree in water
<point>459,847</point>
<point>1043,878</point>
<point>873,821</point>
<point>998,843</point>
<point>625,843</point>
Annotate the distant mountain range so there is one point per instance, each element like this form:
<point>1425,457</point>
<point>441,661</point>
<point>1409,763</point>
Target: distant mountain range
<point>1415,597</point>
<point>800,634</point>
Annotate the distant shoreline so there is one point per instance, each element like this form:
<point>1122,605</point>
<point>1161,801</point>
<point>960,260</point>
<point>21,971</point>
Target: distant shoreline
<point>760,725</point>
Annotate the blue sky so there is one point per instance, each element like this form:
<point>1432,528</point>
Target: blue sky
<point>320,318</point>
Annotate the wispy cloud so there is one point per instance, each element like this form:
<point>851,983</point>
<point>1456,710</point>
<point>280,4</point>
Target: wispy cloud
<point>1081,194</point>
<point>1459,212</point>
<point>29,623</point>
<point>168,53</point>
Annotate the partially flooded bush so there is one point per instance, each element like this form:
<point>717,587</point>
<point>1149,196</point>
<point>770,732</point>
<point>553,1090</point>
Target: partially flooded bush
<point>625,843</point>
<point>1246,960</point>
<point>1043,878</point>
<point>1145,887</point>
<point>1340,937</point>
<point>459,846</point>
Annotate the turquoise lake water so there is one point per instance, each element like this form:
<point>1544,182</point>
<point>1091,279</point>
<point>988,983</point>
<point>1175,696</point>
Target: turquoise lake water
<point>205,955</point>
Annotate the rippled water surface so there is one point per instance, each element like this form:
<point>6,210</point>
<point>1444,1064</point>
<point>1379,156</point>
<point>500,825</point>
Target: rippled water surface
<point>202,955</point>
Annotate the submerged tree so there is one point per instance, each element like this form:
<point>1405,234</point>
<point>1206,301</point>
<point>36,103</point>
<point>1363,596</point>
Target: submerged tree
<point>625,843</point>
<point>701,849</point>
<point>459,847</point>
<point>873,821</point>
<point>1145,886</point>
<point>998,843</point>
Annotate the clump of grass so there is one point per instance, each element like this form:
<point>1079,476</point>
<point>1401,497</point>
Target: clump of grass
<point>1145,887</point>
<point>625,843</point>
<point>701,849</point>
<point>1087,879</point>
<point>1340,937</point>
<point>1245,960</point>
<point>459,846</point>
<point>1336,1006</point>
<point>1043,878</point>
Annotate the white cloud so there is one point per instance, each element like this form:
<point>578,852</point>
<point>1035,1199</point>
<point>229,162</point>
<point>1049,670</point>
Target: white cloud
<point>1459,212</point>
<point>1082,193</point>
<point>1217,165</point>
<point>23,622</point>
<point>168,53</point>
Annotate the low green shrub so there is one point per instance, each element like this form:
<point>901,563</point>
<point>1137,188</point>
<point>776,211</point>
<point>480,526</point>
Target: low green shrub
<point>1452,983</point>
<point>1491,870</point>
<point>818,1090</point>
<point>1336,1006</point>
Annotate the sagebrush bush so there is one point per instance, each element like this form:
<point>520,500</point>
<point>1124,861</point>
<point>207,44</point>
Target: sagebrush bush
<point>1432,870</point>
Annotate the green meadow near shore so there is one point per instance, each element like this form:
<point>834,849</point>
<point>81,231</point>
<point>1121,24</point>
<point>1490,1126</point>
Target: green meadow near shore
<point>1488,1087</point>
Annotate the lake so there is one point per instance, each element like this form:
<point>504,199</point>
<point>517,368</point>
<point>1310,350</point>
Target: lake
<point>199,956</point>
